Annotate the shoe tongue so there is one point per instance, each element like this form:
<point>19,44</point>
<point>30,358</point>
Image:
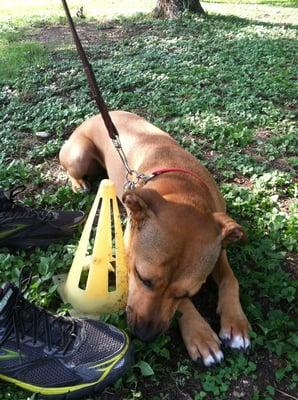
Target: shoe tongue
<point>8,293</point>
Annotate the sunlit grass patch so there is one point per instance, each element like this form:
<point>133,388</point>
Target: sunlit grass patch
<point>14,58</point>
<point>52,10</point>
<point>18,53</point>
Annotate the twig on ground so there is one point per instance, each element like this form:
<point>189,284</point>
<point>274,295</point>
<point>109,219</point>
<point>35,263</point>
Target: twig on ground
<point>286,394</point>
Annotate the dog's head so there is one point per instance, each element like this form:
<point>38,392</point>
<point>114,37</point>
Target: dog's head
<point>172,248</point>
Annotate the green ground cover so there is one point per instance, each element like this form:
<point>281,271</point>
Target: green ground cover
<point>224,87</point>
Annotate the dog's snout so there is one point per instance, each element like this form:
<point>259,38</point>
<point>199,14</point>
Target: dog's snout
<point>145,329</point>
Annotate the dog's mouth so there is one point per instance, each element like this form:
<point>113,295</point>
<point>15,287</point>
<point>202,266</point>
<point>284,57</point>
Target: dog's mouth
<point>145,329</point>
<point>144,335</point>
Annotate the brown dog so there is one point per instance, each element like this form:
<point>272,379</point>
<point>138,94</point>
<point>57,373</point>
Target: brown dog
<point>176,235</point>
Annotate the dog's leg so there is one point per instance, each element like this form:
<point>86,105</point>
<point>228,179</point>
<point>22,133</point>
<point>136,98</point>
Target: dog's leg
<point>200,340</point>
<point>77,157</point>
<point>234,324</point>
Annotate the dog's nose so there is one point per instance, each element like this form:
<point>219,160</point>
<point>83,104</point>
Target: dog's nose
<point>146,330</point>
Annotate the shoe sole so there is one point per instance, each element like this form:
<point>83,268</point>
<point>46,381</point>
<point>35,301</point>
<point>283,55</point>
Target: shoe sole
<point>22,243</point>
<point>108,377</point>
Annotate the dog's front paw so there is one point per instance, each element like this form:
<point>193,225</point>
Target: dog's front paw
<point>234,332</point>
<point>202,343</point>
<point>204,347</point>
<point>80,185</point>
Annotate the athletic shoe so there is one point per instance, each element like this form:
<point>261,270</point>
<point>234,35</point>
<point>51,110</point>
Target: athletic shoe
<point>22,227</point>
<point>56,357</point>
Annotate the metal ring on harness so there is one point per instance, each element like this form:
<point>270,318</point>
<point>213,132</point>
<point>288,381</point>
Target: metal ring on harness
<point>133,178</point>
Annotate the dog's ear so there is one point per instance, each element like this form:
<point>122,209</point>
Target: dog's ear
<point>136,205</point>
<point>230,230</point>
<point>142,203</point>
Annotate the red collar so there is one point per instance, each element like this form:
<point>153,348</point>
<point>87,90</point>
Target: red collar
<point>184,171</point>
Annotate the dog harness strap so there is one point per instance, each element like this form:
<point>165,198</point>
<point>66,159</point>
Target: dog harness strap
<point>185,171</point>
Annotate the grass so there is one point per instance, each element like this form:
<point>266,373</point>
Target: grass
<point>53,9</point>
<point>224,88</point>
<point>16,56</point>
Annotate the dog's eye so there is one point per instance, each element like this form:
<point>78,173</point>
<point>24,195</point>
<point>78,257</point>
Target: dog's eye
<point>145,282</point>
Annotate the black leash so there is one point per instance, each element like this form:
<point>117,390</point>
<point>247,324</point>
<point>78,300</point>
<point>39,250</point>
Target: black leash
<point>132,177</point>
<point>113,133</point>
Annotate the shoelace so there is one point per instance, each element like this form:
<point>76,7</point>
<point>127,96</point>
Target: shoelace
<point>21,210</point>
<point>41,325</point>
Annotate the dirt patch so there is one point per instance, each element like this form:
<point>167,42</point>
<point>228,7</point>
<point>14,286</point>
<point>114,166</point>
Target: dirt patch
<point>242,181</point>
<point>90,33</point>
<point>54,175</point>
<point>254,150</point>
<point>211,155</point>
<point>291,264</point>
<point>263,134</point>
<point>283,165</point>
<point>286,204</point>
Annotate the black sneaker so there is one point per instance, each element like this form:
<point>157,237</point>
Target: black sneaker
<point>22,227</point>
<point>56,357</point>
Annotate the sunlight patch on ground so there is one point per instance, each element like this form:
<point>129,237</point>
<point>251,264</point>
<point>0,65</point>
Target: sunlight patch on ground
<point>256,12</point>
<point>91,8</point>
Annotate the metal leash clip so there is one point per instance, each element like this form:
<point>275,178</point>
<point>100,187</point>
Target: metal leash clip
<point>133,178</point>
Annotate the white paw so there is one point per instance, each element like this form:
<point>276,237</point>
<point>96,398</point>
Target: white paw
<point>235,342</point>
<point>213,358</point>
